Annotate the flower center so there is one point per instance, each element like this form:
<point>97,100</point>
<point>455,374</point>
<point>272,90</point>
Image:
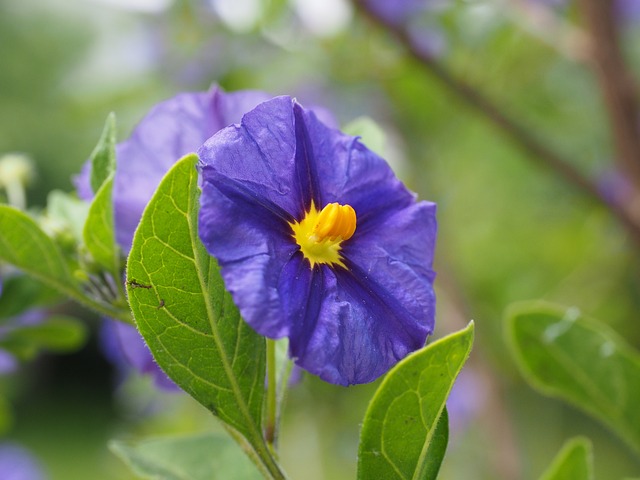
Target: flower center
<point>320,233</point>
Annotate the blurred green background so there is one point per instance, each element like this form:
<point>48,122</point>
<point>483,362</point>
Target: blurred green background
<point>509,230</point>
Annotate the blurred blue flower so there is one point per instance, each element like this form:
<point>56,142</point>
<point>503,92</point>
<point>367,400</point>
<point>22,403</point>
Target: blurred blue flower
<point>17,463</point>
<point>123,346</point>
<point>318,241</point>
<point>628,10</point>
<point>615,187</point>
<point>467,399</point>
<point>8,363</point>
<point>169,131</point>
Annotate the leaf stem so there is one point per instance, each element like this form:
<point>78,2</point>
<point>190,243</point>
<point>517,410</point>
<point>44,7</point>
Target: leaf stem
<point>106,310</point>
<point>205,266</point>
<point>270,420</point>
<point>78,296</point>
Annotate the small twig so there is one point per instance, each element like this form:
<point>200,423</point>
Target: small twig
<point>538,151</point>
<point>616,82</point>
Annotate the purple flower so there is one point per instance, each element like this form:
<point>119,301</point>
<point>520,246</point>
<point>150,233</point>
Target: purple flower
<point>466,400</point>
<point>628,10</point>
<point>170,130</point>
<point>615,187</point>
<point>8,363</point>
<point>16,463</point>
<point>318,241</point>
<point>124,347</point>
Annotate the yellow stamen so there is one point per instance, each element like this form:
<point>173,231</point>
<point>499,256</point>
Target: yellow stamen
<point>320,233</point>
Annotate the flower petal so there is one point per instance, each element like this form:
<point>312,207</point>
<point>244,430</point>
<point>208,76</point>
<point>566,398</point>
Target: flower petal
<point>169,131</point>
<point>347,172</point>
<point>265,157</point>
<point>8,363</point>
<point>125,348</point>
<point>17,463</point>
<point>343,329</point>
<point>345,325</point>
<point>397,256</point>
<point>250,247</point>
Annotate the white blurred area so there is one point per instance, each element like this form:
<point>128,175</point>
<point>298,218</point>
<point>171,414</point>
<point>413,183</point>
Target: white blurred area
<point>146,6</point>
<point>324,18</point>
<point>239,15</point>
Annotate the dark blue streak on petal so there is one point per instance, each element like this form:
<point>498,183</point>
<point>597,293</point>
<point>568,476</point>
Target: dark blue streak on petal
<point>304,289</point>
<point>252,202</point>
<point>392,315</point>
<point>305,163</point>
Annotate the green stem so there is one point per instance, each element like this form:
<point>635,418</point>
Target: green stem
<point>77,295</point>
<point>263,465</point>
<point>106,310</point>
<point>270,421</point>
<point>16,195</point>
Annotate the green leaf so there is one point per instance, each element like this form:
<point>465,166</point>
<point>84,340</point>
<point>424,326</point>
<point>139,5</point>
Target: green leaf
<point>103,157</point>
<point>24,245</point>
<point>186,316</point>
<point>580,360</point>
<point>6,416</point>
<point>200,457</point>
<point>56,334</point>
<point>573,462</point>
<point>404,434</point>
<point>99,233</point>
<point>438,447</point>
<point>21,293</point>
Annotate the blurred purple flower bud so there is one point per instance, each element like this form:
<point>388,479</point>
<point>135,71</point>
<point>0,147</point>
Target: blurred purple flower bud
<point>171,129</point>
<point>615,188</point>
<point>125,348</point>
<point>628,10</point>
<point>466,400</point>
<point>17,463</point>
<point>8,363</point>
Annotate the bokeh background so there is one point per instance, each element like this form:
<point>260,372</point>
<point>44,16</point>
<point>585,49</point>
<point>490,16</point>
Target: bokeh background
<point>509,229</point>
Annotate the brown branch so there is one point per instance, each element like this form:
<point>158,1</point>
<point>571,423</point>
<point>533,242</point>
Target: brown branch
<point>538,151</point>
<point>616,82</point>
